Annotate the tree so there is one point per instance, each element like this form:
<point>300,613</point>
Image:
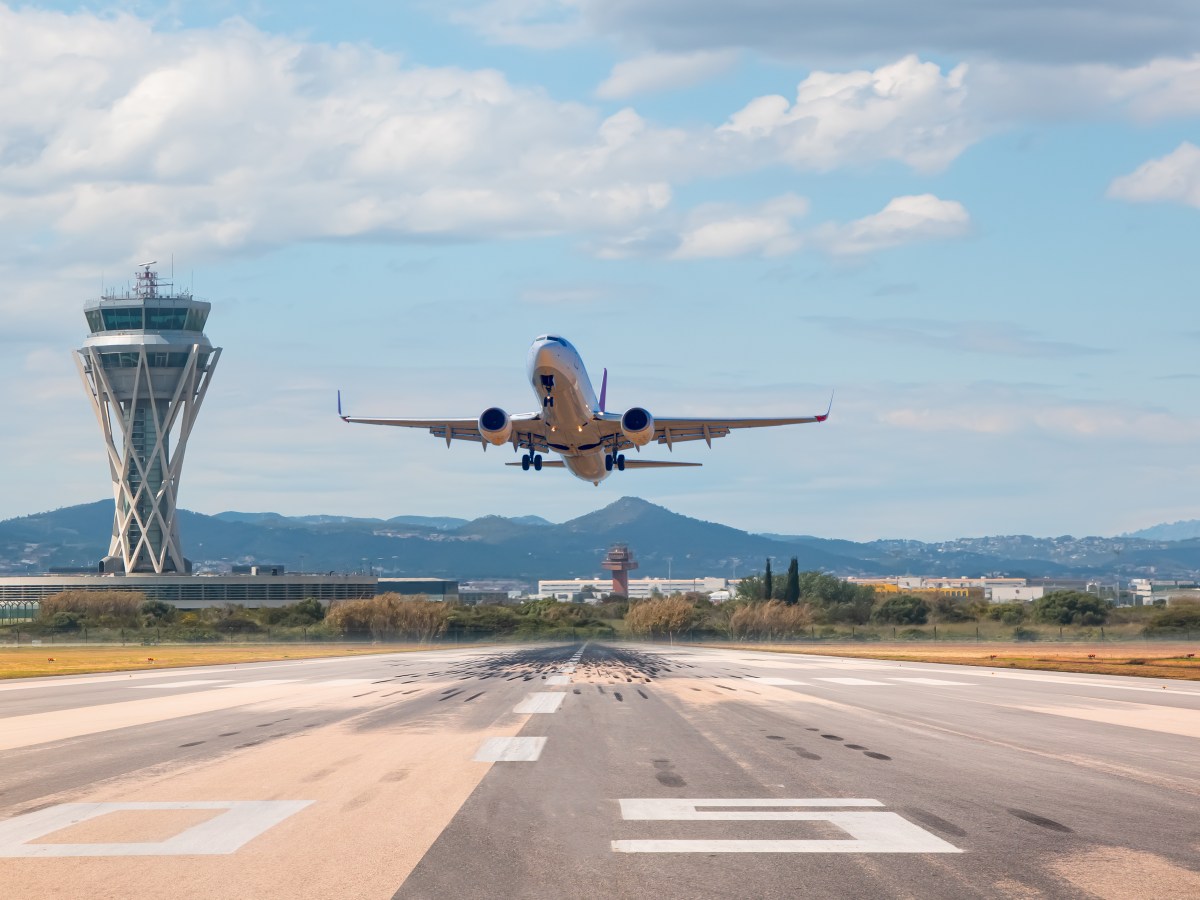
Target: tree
<point>767,581</point>
<point>1071,608</point>
<point>791,591</point>
<point>902,609</point>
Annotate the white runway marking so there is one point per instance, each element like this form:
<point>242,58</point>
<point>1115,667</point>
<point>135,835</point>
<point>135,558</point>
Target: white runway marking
<point>874,831</point>
<point>177,684</point>
<point>559,679</point>
<point>342,682</point>
<point>931,681</point>
<point>511,749</point>
<point>547,702</point>
<point>242,821</point>
<point>780,682</point>
<point>266,682</point>
<point>567,670</point>
<point>860,681</point>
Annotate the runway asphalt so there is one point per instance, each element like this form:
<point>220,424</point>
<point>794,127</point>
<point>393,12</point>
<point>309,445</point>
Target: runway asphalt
<point>598,770</point>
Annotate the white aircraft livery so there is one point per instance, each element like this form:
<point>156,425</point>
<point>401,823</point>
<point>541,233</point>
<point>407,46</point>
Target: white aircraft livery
<point>574,424</point>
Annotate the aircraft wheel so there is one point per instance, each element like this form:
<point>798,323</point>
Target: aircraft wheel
<point>621,462</point>
<point>537,462</point>
<point>525,462</point>
<point>608,462</point>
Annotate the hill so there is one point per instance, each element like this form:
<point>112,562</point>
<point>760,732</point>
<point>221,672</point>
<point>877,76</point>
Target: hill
<point>529,547</point>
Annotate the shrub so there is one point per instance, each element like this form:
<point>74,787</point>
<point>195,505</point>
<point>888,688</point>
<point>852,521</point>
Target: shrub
<point>1012,613</point>
<point>903,609</point>
<point>1176,619</point>
<point>390,616</point>
<point>105,609</point>
<point>769,620</point>
<point>1024,634</point>
<point>659,616</point>
<point>1070,608</point>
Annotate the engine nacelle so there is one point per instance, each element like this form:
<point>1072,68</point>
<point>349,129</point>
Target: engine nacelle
<point>638,426</point>
<point>495,426</point>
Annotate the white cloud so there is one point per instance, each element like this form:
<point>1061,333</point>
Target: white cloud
<point>904,220</point>
<point>1174,178</point>
<point>663,72</point>
<point>907,111</point>
<point>994,338</point>
<point>718,230</point>
<point>219,140</point>
<point>541,24</point>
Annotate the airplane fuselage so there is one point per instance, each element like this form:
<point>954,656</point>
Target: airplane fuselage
<point>569,406</point>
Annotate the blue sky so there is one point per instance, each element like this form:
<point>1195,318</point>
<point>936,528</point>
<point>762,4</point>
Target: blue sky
<point>976,221</point>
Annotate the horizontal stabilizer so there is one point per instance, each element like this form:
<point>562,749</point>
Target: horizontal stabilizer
<point>657,464</point>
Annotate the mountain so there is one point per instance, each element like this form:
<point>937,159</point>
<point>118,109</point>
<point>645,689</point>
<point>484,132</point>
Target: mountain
<point>528,547</point>
<point>1189,529</point>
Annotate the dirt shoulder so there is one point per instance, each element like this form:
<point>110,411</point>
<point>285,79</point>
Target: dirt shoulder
<point>1157,660</point>
<point>58,659</point>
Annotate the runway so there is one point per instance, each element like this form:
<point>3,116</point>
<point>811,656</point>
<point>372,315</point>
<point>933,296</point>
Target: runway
<point>598,770</point>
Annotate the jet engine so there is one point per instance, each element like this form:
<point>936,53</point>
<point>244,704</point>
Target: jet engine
<point>638,426</point>
<point>495,426</point>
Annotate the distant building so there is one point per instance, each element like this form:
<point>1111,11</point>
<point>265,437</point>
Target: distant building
<point>1003,593</point>
<point>639,588</point>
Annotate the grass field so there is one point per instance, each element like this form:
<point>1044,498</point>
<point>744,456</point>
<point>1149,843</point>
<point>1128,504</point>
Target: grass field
<point>28,662</point>
<point>1156,660</point>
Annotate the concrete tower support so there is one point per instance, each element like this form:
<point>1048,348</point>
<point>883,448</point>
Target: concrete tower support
<point>146,366</point>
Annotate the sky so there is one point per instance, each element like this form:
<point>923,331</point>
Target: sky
<point>975,222</point>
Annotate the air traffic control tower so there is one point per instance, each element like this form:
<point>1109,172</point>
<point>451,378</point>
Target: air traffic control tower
<point>146,366</point>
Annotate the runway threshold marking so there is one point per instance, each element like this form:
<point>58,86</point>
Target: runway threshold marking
<point>559,679</point>
<point>546,702</point>
<point>510,749</point>
<point>872,831</point>
<point>242,821</point>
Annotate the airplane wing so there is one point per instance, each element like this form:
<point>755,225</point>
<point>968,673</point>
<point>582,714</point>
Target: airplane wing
<point>528,429</point>
<point>672,430</point>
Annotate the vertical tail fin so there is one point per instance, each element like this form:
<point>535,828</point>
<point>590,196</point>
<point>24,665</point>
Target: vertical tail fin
<point>603,389</point>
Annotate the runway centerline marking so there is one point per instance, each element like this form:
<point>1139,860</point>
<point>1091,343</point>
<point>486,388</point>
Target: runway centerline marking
<point>778,682</point>
<point>242,821</point>
<point>510,749</point>
<point>559,679</point>
<point>545,702</point>
<point>873,831</point>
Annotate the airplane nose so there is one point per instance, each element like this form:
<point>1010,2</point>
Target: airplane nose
<point>544,356</point>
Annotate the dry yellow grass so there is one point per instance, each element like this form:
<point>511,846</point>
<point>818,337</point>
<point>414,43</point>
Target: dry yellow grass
<point>1157,660</point>
<point>49,659</point>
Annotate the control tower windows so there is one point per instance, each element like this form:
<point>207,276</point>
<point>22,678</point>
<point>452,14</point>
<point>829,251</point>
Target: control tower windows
<point>123,318</point>
<point>95,321</point>
<point>158,319</point>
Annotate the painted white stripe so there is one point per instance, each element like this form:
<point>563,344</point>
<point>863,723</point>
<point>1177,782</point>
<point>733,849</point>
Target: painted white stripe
<point>567,670</point>
<point>547,702</point>
<point>931,681</point>
<point>559,679</point>
<point>510,749</point>
<point>177,684</point>
<point>266,682</point>
<point>780,682</point>
<point>342,682</point>
<point>871,831</point>
<point>241,821</point>
<point>854,681</point>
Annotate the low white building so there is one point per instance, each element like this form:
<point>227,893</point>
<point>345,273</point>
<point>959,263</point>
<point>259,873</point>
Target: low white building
<point>1006,593</point>
<point>639,588</point>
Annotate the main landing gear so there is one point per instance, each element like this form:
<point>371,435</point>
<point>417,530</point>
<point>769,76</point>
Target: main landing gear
<point>531,459</point>
<point>614,459</point>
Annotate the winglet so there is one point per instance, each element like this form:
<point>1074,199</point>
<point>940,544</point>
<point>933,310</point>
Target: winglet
<point>344,418</point>
<point>603,389</point>
<point>828,409</point>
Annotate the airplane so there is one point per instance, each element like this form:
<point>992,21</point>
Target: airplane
<point>575,424</point>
